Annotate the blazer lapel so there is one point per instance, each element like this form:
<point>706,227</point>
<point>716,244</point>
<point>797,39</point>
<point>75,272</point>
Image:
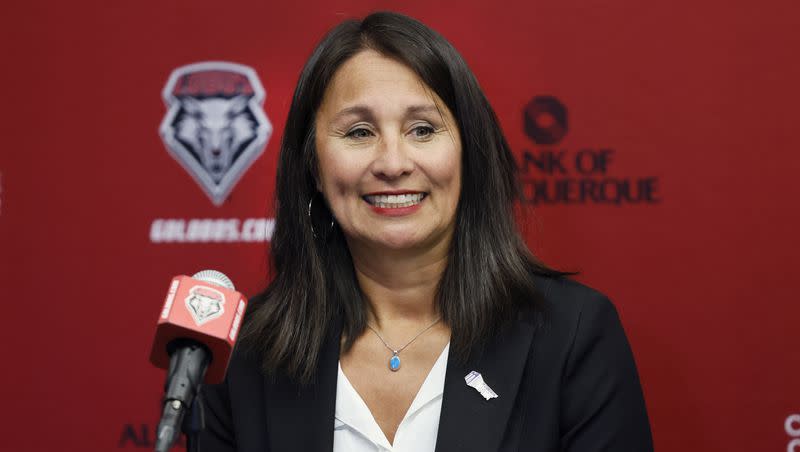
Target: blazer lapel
<point>468,422</point>
<point>300,418</point>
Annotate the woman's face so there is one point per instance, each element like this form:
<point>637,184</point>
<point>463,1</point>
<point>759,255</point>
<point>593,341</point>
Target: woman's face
<point>389,156</point>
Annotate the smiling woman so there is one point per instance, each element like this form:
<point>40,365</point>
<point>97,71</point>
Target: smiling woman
<point>389,156</point>
<point>399,271</point>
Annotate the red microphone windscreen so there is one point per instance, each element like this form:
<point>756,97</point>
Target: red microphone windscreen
<point>202,311</point>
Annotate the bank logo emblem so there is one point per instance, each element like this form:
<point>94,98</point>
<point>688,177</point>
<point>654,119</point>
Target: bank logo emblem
<point>205,304</point>
<point>566,175</point>
<point>215,125</point>
<point>545,120</point>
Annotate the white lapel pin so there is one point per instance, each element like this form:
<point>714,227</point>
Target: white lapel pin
<point>475,380</point>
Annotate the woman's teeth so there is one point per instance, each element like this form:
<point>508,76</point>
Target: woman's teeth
<point>394,201</point>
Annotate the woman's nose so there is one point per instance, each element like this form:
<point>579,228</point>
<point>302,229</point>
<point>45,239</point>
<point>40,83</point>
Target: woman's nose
<point>392,159</point>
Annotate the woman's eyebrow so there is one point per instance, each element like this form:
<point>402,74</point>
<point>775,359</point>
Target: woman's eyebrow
<point>357,110</point>
<point>365,112</point>
<point>430,108</point>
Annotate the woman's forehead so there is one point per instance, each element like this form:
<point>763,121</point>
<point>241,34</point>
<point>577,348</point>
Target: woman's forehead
<point>370,81</point>
<point>368,75</point>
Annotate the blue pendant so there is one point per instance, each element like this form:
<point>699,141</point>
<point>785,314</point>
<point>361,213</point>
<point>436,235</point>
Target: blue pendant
<point>394,363</point>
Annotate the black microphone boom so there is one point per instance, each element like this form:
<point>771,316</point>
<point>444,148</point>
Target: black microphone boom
<point>187,366</point>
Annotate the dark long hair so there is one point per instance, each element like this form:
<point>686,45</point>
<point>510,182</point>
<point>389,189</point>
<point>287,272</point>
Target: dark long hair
<point>488,276</point>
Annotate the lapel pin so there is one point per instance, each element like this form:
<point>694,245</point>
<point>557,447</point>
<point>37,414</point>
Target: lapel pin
<point>475,380</point>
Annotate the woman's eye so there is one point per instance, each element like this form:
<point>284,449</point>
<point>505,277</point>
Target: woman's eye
<point>423,131</point>
<point>359,133</point>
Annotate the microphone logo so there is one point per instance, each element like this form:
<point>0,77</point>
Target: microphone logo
<point>205,304</point>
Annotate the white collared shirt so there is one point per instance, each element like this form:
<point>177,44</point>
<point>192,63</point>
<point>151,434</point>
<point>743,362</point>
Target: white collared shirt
<point>355,429</point>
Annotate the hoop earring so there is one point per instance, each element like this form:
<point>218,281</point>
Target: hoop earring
<point>311,221</point>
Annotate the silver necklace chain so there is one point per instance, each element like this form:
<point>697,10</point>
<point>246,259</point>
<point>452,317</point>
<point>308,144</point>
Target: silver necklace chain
<point>397,352</point>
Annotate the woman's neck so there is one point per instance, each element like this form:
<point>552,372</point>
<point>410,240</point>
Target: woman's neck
<point>400,286</point>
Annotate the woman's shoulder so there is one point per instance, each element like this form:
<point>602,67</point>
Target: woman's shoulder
<point>564,296</point>
<point>568,309</point>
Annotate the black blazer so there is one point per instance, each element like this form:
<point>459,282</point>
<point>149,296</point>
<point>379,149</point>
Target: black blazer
<point>565,377</point>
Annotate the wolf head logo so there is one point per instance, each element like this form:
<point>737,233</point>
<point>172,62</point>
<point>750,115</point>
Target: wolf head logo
<point>205,303</point>
<point>215,125</point>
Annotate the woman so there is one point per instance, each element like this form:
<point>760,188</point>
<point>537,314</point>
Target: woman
<point>399,271</point>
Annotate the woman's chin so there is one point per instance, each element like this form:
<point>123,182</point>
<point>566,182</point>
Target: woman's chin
<point>394,241</point>
<point>412,236</point>
<point>398,243</point>
<point>414,240</point>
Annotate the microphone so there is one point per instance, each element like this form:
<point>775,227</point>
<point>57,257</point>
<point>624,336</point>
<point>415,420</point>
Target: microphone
<point>195,335</point>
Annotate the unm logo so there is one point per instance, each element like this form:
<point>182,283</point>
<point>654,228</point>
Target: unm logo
<point>215,125</point>
<point>205,303</point>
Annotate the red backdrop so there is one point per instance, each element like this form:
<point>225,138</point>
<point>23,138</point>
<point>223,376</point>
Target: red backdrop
<point>697,101</point>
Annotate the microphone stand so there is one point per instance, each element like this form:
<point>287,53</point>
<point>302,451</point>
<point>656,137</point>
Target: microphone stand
<point>187,366</point>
